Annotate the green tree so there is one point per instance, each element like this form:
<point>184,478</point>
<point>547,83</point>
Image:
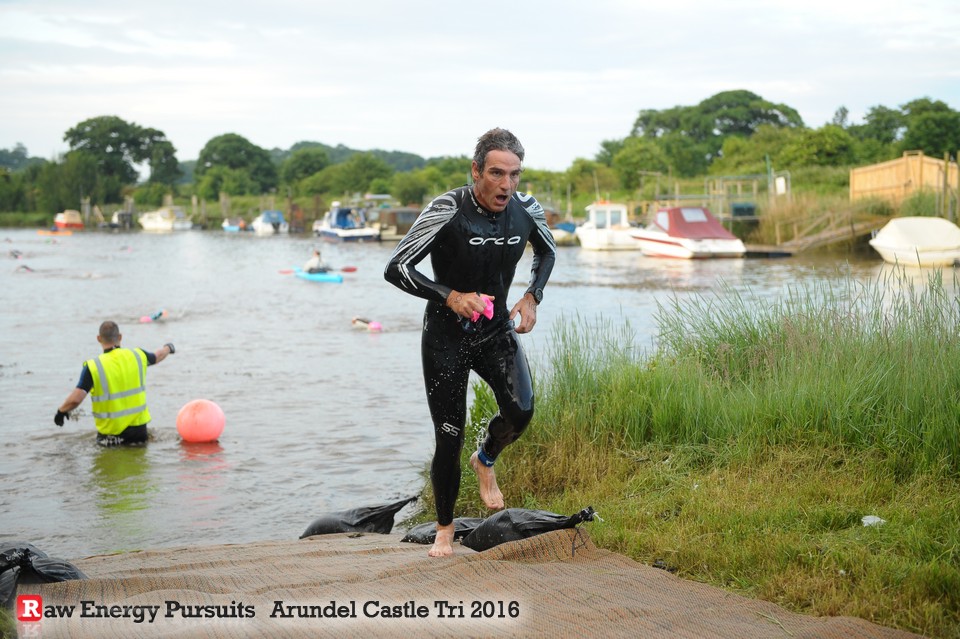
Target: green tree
<point>638,155</point>
<point>448,172</point>
<point>882,124</point>
<point>841,117</point>
<point>608,149</point>
<point>303,163</point>
<point>330,180</point>
<point>62,185</point>
<point>360,170</point>
<point>232,151</point>
<point>749,155</point>
<point>117,145</point>
<point>931,126</point>
<point>587,176</point>
<point>829,145</point>
<point>151,194</point>
<point>16,158</point>
<point>161,156</point>
<point>12,191</point>
<point>711,121</point>
<point>685,156</point>
<point>410,188</point>
<point>222,179</point>
<point>741,113</point>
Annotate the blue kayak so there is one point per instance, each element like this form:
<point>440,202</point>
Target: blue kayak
<point>319,277</point>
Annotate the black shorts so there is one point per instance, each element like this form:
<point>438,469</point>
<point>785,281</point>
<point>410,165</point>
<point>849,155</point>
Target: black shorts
<point>130,435</point>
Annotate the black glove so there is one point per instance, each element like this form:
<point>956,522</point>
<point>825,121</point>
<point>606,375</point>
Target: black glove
<point>170,346</point>
<point>60,416</point>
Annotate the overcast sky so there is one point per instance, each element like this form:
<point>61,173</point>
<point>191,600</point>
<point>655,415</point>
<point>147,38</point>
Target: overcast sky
<point>429,77</point>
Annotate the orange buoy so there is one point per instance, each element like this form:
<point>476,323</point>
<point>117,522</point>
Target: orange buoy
<point>200,421</point>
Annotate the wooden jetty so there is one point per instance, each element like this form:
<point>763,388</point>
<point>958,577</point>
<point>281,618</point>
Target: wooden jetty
<point>806,235</point>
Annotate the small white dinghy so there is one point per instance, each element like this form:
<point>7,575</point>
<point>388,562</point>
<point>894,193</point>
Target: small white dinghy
<point>918,241</point>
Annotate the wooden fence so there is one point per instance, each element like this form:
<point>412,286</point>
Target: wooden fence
<point>897,179</point>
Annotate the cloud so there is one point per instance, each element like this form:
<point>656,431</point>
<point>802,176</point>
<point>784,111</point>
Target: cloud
<point>428,78</point>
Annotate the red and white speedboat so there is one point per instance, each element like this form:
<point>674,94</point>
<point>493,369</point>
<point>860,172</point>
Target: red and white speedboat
<point>687,232</point>
<point>69,219</point>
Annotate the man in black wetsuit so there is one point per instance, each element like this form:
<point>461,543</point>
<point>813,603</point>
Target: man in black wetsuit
<point>475,235</point>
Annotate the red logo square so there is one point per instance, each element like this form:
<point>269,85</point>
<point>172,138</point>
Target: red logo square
<point>29,608</point>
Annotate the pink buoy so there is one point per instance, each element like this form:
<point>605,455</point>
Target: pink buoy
<point>146,319</point>
<point>375,327</point>
<point>200,421</point>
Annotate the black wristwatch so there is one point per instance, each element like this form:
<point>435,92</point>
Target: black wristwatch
<point>537,295</point>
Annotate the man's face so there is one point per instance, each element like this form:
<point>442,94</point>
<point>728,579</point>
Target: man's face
<point>498,182</point>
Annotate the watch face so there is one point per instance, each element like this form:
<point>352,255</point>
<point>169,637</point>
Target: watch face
<point>538,294</point>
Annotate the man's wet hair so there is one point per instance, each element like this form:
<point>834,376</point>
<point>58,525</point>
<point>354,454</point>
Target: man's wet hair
<point>496,140</point>
<point>110,332</point>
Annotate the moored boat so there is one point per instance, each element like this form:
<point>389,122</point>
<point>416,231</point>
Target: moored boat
<point>564,231</point>
<point>68,219</point>
<point>270,223</point>
<point>395,222</point>
<point>918,241</point>
<point>564,234</point>
<point>687,232</point>
<point>167,218</point>
<point>233,224</point>
<point>342,224</point>
<point>607,228</point>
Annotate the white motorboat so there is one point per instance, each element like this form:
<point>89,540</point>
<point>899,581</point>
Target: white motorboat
<point>167,218</point>
<point>342,224</point>
<point>687,232</point>
<point>270,223</point>
<point>607,228</point>
<point>564,233</point>
<point>918,241</point>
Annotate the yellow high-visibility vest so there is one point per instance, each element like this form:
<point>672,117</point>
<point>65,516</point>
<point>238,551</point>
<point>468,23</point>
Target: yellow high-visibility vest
<point>119,392</point>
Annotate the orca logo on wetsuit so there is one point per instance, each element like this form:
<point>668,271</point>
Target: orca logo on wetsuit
<point>480,241</point>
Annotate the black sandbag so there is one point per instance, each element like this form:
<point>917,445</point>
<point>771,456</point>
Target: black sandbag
<point>50,569</point>
<point>513,524</point>
<point>8,586</point>
<point>21,562</point>
<point>17,553</point>
<point>427,533</point>
<point>377,519</point>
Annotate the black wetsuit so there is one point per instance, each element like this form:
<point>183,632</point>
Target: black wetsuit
<point>471,250</point>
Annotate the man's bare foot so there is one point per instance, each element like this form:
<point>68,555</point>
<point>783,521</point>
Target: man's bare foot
<point>443,544</point>
<point>487,480</point>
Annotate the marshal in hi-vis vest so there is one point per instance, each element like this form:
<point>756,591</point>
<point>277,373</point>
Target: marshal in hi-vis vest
<point>119,392</point>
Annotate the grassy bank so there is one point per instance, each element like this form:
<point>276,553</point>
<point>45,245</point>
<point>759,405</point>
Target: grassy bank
<point>745,451</point>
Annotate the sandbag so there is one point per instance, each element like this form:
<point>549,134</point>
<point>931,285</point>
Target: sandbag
<point>513,524</point>
<point>377,519</point>
<point>21,562</point>
<point>427,533</point>
<point>8,586</point>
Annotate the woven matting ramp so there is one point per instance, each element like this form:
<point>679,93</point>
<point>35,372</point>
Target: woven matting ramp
<point>553,585</point>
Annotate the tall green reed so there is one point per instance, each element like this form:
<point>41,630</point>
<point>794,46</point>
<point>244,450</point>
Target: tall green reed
<point>870,365</point>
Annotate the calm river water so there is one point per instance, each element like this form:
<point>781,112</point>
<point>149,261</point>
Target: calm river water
<point>321,416</point>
